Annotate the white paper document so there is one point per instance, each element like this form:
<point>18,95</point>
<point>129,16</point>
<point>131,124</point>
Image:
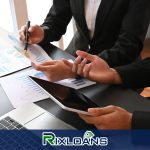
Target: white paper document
<point>35,53</point>
<point>76,83</point>
<point>11,60</point>
<point>70,82</point>
<point>5,41</point>
<point>20,89</point>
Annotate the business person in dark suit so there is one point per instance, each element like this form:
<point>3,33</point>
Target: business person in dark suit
<point>132,75</point>
<point>112,29</point>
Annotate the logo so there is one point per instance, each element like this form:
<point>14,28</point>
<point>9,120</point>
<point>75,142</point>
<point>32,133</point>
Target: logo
<point>88,139</point>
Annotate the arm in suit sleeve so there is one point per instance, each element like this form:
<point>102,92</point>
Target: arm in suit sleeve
<point>132,34</point>
<point>56,21</point>
<point>140,120</point>
<point>135,74</point>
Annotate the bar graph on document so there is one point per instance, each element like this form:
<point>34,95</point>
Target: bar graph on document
<point>70,82</point>
<point>35,52</point>
<point>20,89</point>
<point>76,83</point>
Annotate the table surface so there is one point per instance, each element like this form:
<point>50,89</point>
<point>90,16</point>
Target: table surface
<point>101,94</point>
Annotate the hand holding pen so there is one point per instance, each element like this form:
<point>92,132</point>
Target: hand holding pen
<point>27,35</point>
<point>35,34</point>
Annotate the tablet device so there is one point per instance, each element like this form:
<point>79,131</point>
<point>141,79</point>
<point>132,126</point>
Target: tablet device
<point>67,98</point>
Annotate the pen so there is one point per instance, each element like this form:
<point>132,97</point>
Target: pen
<point>27,35</point>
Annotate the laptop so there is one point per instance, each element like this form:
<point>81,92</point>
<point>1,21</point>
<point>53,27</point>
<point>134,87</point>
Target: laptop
<point>29,116</point>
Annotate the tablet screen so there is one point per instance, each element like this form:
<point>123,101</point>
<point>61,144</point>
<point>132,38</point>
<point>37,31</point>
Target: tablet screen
<point>67,96</point>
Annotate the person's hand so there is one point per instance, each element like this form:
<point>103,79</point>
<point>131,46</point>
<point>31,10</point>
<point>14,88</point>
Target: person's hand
<point>110,117</point>
<point>97,70</point>
<point>55,69</point>
<point>36,34</point>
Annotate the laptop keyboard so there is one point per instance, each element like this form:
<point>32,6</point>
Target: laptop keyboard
<point>18,137</point>
<point>10,124</point>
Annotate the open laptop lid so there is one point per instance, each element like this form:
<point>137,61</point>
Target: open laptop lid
<point>66,97</point>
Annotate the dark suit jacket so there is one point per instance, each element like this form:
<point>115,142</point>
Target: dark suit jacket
<point>141,120</point>
<point>137,75</point>
<point>120,28</point>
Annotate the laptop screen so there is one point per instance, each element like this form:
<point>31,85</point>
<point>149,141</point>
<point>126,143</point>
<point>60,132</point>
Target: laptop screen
<point>67,96</point>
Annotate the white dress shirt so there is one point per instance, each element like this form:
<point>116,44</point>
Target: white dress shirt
<point>91,8</point>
